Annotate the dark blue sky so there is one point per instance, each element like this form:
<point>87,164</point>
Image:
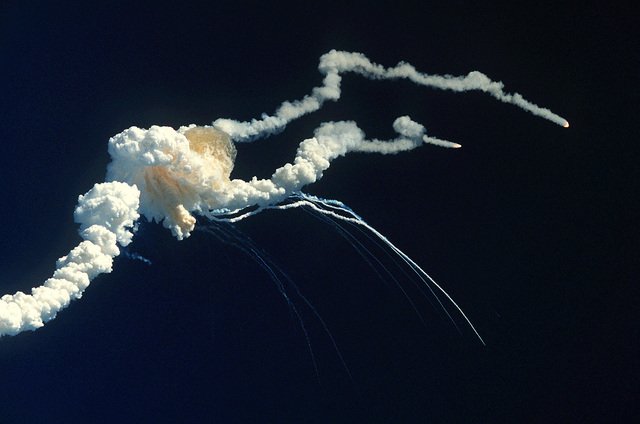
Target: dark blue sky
<point>528,226</point>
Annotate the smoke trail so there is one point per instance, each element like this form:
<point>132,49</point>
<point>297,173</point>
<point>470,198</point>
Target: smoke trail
<point>106,213</point>
<point>335,62</point>
<point>168,175</point>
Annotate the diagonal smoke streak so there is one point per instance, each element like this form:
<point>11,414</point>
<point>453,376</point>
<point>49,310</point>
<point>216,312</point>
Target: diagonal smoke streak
<point>105,214</point>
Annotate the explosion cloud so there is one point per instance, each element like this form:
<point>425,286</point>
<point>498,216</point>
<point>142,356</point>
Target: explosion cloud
<point>169,175</point>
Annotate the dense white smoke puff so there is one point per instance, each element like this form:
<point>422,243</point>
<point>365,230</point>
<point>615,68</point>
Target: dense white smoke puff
<point>177,171</point>
<point>105,214</point>
<point>168,175</point>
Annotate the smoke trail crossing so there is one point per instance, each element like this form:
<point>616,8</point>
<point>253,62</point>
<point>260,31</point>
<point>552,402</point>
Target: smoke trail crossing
<point>169,175</point>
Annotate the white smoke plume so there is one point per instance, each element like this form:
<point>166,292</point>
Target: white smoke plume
<point>168,175</point>
<point>105,214</point>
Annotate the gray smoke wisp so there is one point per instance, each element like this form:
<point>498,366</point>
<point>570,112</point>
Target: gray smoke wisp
<point>169,175</point>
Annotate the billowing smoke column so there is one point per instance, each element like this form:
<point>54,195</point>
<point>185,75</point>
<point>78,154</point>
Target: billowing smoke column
<point>105,214</point>
<point>169,175</point>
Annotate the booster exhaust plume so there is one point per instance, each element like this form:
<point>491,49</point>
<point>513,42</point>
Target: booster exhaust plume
<point>169,175</point>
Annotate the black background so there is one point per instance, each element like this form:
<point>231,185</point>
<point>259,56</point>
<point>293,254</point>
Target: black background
<point>530,227</point>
